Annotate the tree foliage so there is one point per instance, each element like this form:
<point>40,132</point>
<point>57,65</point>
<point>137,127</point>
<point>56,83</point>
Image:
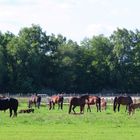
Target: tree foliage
<point>32,61</point>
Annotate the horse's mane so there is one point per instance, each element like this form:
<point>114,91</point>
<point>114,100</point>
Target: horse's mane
<point>84,96</point>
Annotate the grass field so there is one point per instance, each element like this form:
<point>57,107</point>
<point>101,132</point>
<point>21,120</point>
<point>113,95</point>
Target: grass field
<point>59,125</point>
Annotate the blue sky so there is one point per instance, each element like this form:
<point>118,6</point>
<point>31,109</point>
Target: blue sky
<point>75,19</point>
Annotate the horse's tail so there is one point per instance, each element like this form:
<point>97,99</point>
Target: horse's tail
<point>50,105</point>
<point>62,102</point>
<point>70,106</point>
<point>114,104</point>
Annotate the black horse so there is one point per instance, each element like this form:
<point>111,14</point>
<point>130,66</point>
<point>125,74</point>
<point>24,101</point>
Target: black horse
<point>78,101</point>
<point>9,103</point>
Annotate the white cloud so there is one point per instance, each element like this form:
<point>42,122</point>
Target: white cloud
<point>41,12</point>
<point>69,17</point>
<point>96,29</point>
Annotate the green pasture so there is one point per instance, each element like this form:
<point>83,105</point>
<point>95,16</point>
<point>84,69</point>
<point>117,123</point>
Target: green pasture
<point>59,125</point>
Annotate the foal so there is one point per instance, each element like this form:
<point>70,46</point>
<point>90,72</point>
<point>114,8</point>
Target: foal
<point>133,107</point>
<point>103,104</point>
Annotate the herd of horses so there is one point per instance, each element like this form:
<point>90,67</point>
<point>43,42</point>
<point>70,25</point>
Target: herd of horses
<point>81,101</point>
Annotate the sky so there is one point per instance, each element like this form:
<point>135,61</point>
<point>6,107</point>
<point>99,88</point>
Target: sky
<point>74,19</point>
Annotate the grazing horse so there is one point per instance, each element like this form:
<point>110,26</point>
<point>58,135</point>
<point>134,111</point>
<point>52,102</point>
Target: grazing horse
<point>94,100</point>
<point>9,103</point>
<point>122,100</point>
<point>103,104</point>
<point>56,99</point>
<point>78,101</point>
<point>34,99</point>
<point>133,107</point>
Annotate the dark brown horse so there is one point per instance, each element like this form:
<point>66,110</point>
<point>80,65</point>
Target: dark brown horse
<point>56,99</point>
<point>94,100</point>
<point>9,103</point>
<point>78,101</point>
<point>122,100</point>
<point>34,99</point>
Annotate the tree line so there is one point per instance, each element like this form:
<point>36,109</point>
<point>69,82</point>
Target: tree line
<point>33,61</point>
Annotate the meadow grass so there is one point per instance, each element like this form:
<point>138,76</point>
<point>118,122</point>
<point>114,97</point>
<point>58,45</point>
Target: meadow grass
<point>44,124</point>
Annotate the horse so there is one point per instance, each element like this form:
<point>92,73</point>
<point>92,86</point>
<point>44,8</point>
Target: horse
<point>2,97</point>
<point>56,99</point>
<point>122,100</point>
<point>133,107</point>
<point>26,110</point>
<point>103,104</point>
<point>78,101</point>
<point>94,100</point>
<point>36,100</point>
<point>9,103</point>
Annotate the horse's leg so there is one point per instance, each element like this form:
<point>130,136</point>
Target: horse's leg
<point>35,104</point>
<point>70,106</point>
<point>126,108</point>
<point>133,111</point>
<point>50,104</point>
<point>114,107</point>
<point>88,108</point>
<point>105,106</point>
<point>15,112</point>
<point>58,106</point>
<point>62,105</point>
<point>73,109</point>
<point>10,110</point>
<point>81,109</point>
<point>38,105</point>
<point>97,107</point>
<point>99,103</point>
<point>53,105</point>
<point>118,107</point>
<point>29,104</point>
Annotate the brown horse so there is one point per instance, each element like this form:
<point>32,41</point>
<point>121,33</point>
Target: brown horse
<point>78,101</point>
<point>94,100</point>
<point>56,99</point>
<point>133,107</point>
<point>34,99</point>
<point>122,100</point>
